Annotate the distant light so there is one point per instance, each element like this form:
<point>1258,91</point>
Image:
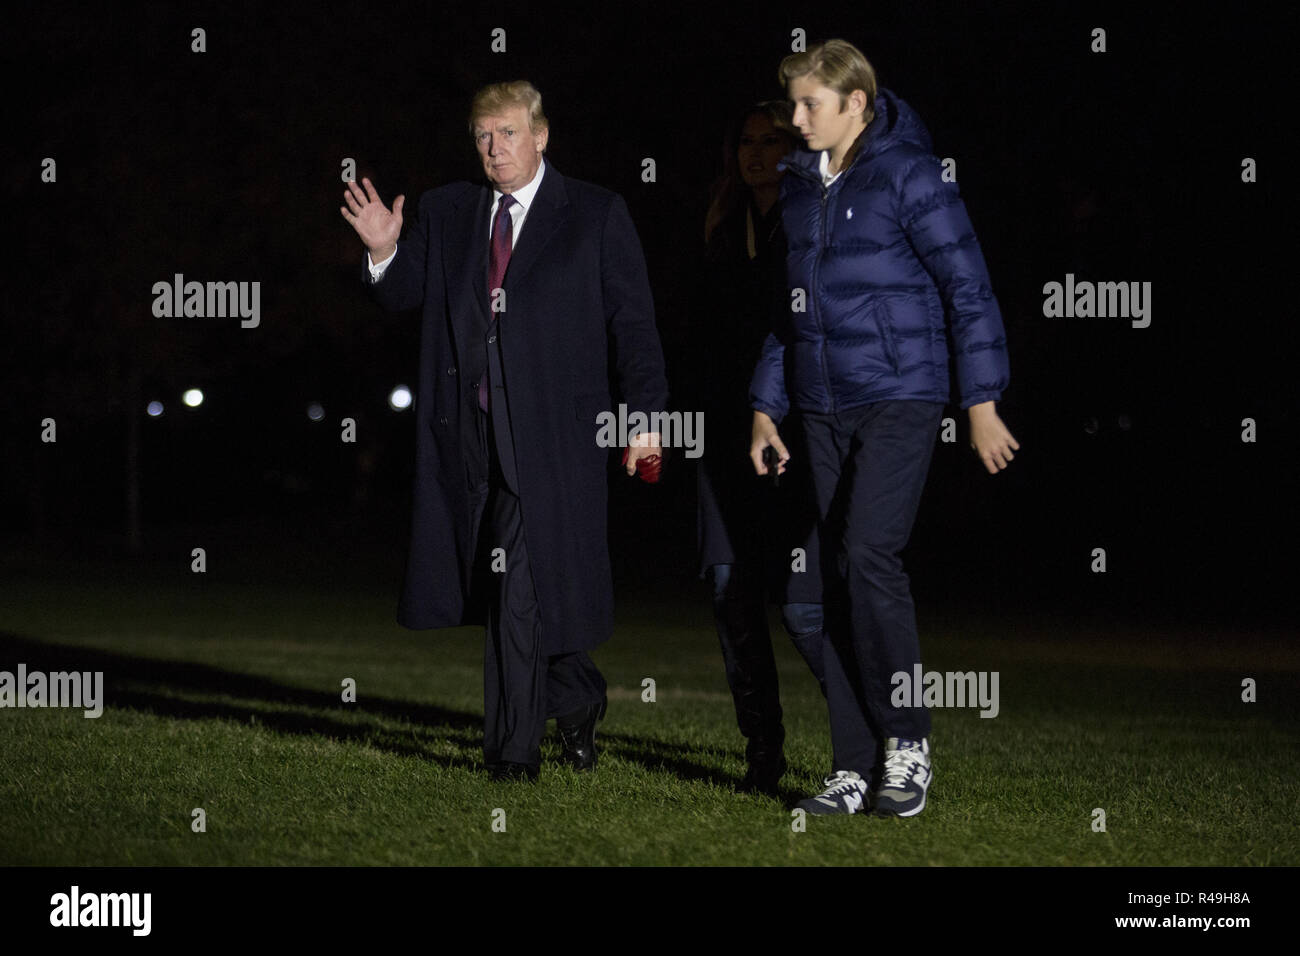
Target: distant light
<point>399,398</point>
<point>1125,423</point>
<point>315,412</point>
<point>155,409</point>
<point>192,397</point>
<point>1091,426</point>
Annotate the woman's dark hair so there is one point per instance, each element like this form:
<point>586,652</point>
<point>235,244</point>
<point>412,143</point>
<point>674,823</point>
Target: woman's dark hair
<point>729,189</point>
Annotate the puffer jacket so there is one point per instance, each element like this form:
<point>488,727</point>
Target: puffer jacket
<point>891,269</point>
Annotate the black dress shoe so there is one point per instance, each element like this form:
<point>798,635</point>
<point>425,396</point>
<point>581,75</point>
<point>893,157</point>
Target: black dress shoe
<point>578,733</point>
<point>764,774</point>
<point>505,770</point>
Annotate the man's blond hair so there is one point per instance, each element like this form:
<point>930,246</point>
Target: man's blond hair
<point>495,99</point>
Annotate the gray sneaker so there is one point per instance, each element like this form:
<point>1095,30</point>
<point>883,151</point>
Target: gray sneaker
<point>846,792</point>
<point>906,778</point>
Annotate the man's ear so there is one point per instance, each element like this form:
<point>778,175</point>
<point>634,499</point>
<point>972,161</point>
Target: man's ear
<point>541,139</point>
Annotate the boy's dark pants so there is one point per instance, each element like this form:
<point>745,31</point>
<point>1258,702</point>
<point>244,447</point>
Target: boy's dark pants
<point>869,466</point>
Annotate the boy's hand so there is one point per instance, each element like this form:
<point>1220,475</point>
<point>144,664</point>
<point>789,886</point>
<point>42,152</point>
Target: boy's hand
<point>763,434</point>
<point>990,438</point>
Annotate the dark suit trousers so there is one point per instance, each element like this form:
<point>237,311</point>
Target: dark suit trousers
<point>522,686</point>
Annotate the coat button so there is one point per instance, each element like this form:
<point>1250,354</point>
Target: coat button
<point>442,420</point>
<point>451,370</point>
<point>491,339</point>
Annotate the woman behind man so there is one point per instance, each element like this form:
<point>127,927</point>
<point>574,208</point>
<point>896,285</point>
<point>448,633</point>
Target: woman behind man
<point>748,530</point>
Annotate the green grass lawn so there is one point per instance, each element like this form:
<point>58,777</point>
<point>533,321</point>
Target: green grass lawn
<point>227,697</point>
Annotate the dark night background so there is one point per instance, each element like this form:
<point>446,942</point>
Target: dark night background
<point>225,166</point>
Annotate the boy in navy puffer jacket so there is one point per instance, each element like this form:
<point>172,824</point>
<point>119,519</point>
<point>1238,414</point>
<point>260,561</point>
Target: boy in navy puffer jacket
<point>884,269</point>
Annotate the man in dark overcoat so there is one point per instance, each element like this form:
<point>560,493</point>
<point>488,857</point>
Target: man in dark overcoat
<point>536,312</point>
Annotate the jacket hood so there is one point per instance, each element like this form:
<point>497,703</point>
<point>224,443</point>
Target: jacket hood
<point>895,123</point>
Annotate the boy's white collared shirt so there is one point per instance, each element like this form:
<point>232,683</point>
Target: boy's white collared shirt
<point>823,165</point>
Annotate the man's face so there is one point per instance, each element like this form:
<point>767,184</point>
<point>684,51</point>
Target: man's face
<point>817,114</point>
<point>761,148</point>
<point>510,152</point>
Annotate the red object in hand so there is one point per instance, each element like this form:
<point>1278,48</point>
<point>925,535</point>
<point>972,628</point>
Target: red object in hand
<point>647,468</point>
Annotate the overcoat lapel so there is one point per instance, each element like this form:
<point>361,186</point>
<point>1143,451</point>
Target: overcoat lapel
<point>470,309</point>
<point>550,210</point>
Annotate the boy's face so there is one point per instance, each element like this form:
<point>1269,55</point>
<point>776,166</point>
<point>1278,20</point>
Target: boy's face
<point>818,117</point>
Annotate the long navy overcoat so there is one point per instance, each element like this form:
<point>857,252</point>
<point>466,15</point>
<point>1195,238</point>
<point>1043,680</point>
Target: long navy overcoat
<point>577,333</point>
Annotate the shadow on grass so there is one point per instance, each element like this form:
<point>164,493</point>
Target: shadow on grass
<point>161,687</point>
<point>677,760</point>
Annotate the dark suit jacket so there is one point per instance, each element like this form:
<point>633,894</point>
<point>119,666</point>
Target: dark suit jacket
<point>578,330</point>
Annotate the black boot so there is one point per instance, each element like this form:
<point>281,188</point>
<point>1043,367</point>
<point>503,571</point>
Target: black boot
<point>741,618</point>
<point>766,768</point>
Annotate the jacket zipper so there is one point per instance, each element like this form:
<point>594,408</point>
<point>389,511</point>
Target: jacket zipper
<point>817,263</point>
<point>825,368</point>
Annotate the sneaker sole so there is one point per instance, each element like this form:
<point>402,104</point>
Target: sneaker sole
<point>887,812</point>
<point>821,810</point>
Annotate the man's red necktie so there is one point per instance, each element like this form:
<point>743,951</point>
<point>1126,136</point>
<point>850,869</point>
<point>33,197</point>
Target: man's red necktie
<point>503,228</point>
